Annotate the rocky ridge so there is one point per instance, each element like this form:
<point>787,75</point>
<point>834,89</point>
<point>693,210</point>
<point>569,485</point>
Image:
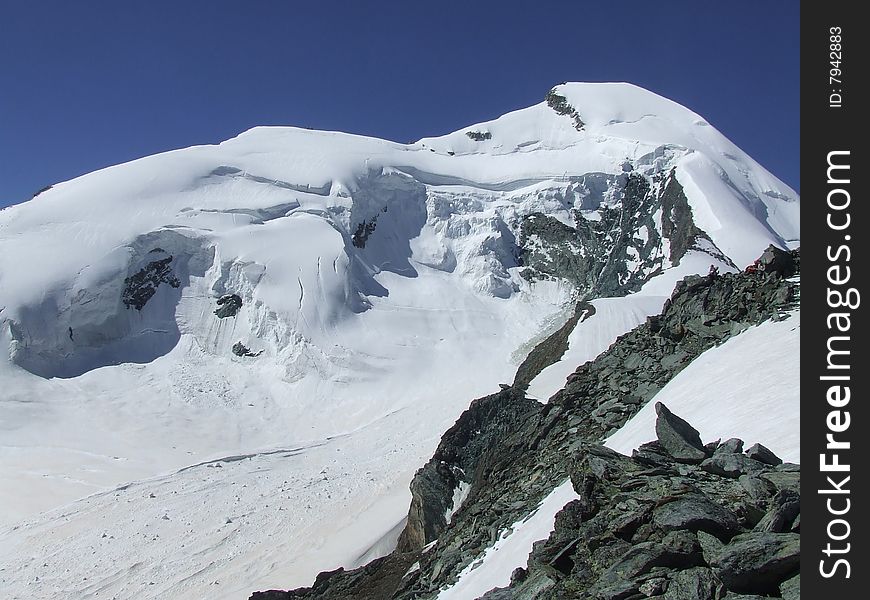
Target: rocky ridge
<point>659,525</point>
<point>510,452</point>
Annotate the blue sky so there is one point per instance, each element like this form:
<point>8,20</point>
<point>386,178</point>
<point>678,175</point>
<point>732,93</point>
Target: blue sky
<point>84,85</point>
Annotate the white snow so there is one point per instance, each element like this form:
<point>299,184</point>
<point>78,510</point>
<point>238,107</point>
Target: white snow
<point>368,354</point>
<point>511,549</point>
<point>748,388</point>
<point>460,493</point>
<point>614,317</point>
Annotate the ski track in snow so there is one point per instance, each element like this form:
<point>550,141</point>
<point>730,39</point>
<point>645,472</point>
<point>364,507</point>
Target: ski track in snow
<point>309,448</point>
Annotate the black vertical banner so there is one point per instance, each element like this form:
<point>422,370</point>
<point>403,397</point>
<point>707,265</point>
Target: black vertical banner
<point>835,425</point>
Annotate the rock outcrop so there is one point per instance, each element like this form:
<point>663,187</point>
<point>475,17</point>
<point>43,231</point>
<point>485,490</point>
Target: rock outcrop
<point>141,286</point>
<point>677,520</point>
<point>228,306</point>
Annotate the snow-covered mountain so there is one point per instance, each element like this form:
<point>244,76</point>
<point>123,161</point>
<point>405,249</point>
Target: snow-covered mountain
<point>225,363</point>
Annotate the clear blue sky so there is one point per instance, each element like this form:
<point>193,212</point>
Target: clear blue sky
<point>84,85</point>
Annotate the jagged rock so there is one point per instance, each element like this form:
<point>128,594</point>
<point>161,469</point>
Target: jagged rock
<point>654,587</point>
<point>271,595</point>
<point>479,136</point>
<point>603,256</point>
<point>760,490</point>
<point>786,507</point>
<point>732,465</point>
<point>552,348</point>
<point>140,287</point>
<point>606,543</point>
<point>625,526</point>
<point>363,231</point>
<point>711,447</point>
<point>710,546</point>
<point>677,437</point>
<point>775,260</point>
<point>730,446</point>
<point>763,455</point>
<point>697,513</point>
<point>698,583</point>
<point>239,349</point>
<point>783,480</point>
<point>228,306</point>
<point>757,562</point>
<point>560,104</point>
<point>481,427</point>
<point>791,588</point>
<point>499,594</point>
<point>678,549</point>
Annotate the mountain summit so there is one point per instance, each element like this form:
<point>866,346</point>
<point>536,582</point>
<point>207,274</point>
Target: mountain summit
<point>302,314</point>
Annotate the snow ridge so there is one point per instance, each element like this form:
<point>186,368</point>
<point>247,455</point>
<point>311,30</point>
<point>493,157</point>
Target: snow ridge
<point>381,287</point>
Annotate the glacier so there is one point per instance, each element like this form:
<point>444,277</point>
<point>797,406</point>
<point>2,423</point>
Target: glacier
<point>382,289</point>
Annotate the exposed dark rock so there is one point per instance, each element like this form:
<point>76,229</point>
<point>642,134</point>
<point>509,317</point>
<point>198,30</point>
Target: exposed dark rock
<point>783,480</point>
<point>479,136</point>
<point>786,506</point>
<point>698,513</point>
<point>758,488</point>
<point>228,306</point>
<point>594,255</point>
<point>239,349</point>
<point>764,455</point>
<point>461,455</point>
<point>698,583</point>
<point>374,581</point>
<point>551,349</point>
<point>730,446</point>
<point>758,562</point>
<point>140,287</point>
<point>791,588</point>
<point>678,226</point>
<point>654,587</point>
<point>560,104</point>
<point>678,438</point>
<point>732,465</point>
<point>710,546</point>
<point>514,451</point>
<point>363,231</point>
<point>780,262</point>
<point>41,190</point>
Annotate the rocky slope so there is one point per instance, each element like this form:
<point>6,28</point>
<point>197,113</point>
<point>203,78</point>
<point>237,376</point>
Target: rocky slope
<point>676,514</point>
<point>344,297</point>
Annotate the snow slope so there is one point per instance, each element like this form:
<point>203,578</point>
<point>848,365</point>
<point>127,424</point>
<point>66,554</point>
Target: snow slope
<point>749,388</point>
<point>612,318</point>
<point>511,549</point>
<point>380,287</point>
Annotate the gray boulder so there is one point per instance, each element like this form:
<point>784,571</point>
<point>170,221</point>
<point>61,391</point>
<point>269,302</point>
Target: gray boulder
<point>697,513</point>
<point>775,260</point>
<point>677,437</point>
<point>730,446</point>
<point>782,514</point>
<point>791,588</point>
<point>758,562</point>
<point>764,455</point>
<point>693,584</point>
<point>732,465</point>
